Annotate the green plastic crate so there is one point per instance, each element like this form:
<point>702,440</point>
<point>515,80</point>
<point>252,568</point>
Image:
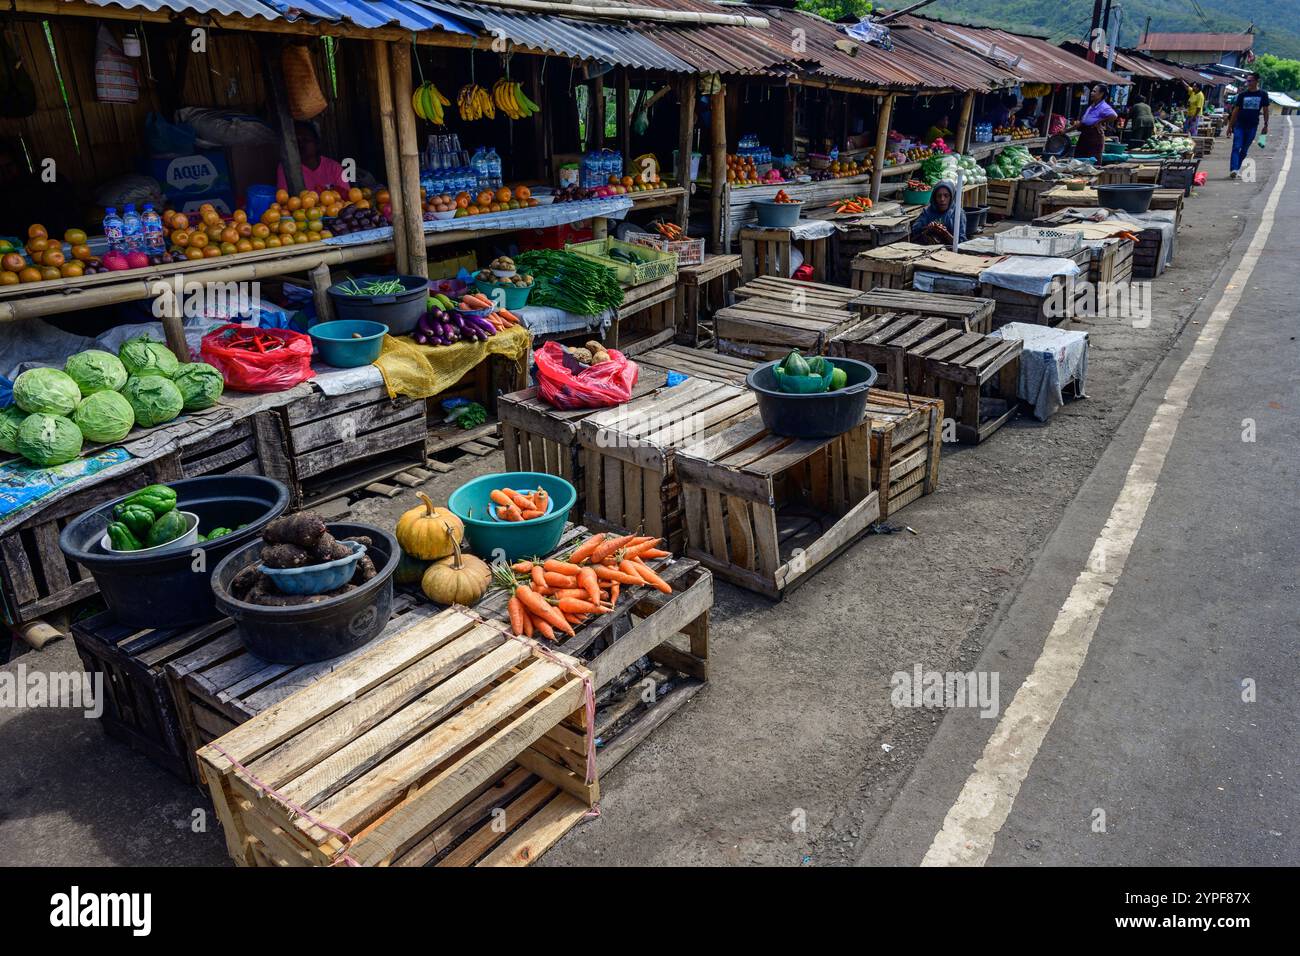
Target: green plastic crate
<point>660,264</point>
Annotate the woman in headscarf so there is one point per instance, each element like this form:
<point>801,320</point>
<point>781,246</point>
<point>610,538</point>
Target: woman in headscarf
<point>943,218</point>
<point>1092,124</point>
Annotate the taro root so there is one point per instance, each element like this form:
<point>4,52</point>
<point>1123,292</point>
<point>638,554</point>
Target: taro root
<point>360,539</point>
<point>245,581</point>
<point>365,570</point>
<point>303,529</point>
<point>286,556</point>
<point>328,549</point>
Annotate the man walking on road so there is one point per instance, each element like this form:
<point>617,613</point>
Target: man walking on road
<point>1244,121</point>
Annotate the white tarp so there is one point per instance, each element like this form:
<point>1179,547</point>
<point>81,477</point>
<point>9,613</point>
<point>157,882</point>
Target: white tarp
<point>1031,275</point>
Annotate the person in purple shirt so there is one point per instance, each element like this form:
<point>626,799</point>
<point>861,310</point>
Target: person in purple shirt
<point>1092,124</point>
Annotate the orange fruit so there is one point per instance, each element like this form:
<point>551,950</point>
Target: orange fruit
<point>244,230</point>
<point>472,210</point>
<point>211,252</point>
<point>355,194</point>
<point>226,248</point>
<point>51,272</point>
<point>180,221</point>
<point>179,238</point>
<point>229,235</point>
<point>382,196</point>
<point>258,243</point>
<point>243,245</point>
<point>37,245</point>
<point>523,192</point>
<point>198,240</point>
<point>282,196</point>
<point>363,203</point>
<point>271,217</point>
<point>13,262</point>
<point>485,198</point>
<point>309,199</point>
<point>261,230</point>
<point>293,203</point>
<point>37,231</point>
<point>462,201</point>
<point>75,237</point>
<point>239,216</point>
<point>300,215</point>
<point>287,227</point>
<point>325,234</point>
<point>532,203</point>
<point>273,242</point>
<point>53,256</point>
<point>81,252</point>
<point>9,278</point>
<point>313,235</point>
<point>29,274</point>
<point>72,270</point>
<point>365,192</point>
<point>300,238</point>
<point>193,252</point>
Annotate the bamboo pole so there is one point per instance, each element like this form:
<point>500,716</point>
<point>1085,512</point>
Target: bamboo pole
<point>624,121</point>
<point>882,145</point>
<point>1046,123</point>
<point>272,49</point>
<point>963,123</point>
<point>718,242</point>
<point>685,132</point>
<point>596,113</point>
<point>543,157</point>
<point>411,215</point>
<point>388,136</point>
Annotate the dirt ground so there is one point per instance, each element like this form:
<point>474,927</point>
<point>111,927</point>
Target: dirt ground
<point>782,760</point>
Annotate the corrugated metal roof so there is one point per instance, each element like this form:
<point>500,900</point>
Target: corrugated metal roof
<point>1198,42</point>
<point>237,8</point>
<point>369,14</point>
<point>1036,61</point>
<point>1148,67</point>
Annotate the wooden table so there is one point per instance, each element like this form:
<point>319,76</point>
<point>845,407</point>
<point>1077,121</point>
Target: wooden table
<point>766,252</point>
<point>700,289</point>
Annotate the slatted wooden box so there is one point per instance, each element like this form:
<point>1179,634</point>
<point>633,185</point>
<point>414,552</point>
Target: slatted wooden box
<point>628,453</point>
<point>1051,308</point>
<point>889,267</point>
<point>1111,261</point>
<point>767,329</point>
<point>1149,254</point>
<point>906,436</point>
<point>962,312</point>
<point>882,341</point>
<point>538,437</point>
<point>338,444</point>
<point>647,317</point>
<point>765,512</point>
<point>698,363</point>
<point>766,252</point>
<point>1029,193</point>
<point>976,376</point>
<point>1002,198</point>
<point>372,762</point>
<point>701,291</point>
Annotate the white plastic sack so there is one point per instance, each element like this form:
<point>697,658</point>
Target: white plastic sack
<point>226,127</point>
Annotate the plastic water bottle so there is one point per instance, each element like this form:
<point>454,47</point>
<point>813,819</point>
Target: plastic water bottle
<point>494,167</point>
<point>113,229</point>
<point>132,229</point>
<point>154,243</point>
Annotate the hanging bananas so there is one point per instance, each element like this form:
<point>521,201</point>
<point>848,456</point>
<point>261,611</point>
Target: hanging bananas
<point>427,103</point>
<point>474,103</point>
<point>510,99</point>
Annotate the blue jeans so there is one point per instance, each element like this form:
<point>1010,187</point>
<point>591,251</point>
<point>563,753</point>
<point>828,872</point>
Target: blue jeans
<point>1242,137</point>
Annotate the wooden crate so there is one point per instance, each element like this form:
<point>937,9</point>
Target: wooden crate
<point>793,292</point>
<point>537,437</point>
<point>1002,198</point>
<point>906,434</point>
<point>139,707</point>
<point>766,329</point>
<point>889,267</point>
<point>962,312</point>
<point>766,252</point>
<point>1116,174</point>
<point>1029,194</point>
<point>1015,306</point>
<point>628,453</point>
<point>698,363</point>
<point>1149,254</point>
<point>882,341</point>
<point>960,368</point>
<point>339,444</point>
<point>668,632</point>
<point>1110,262</point>
<point>370,763</point>
<point>701,291</point>
<point>647,318</point>
<point>1204,145</point>
<point>765,511</point>
<point>1147,173</point>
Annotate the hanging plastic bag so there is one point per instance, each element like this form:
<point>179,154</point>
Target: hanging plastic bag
<point>116,80</point>
<point>306,101</point>
<point>258,360</point>
<point>566,383</point>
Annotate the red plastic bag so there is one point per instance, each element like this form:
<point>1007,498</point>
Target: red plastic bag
<point>286,362</point>
<point>567,383</point>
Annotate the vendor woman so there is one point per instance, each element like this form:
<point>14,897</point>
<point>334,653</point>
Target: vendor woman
<point>319,173</point>
<point>1092,124</point>
<point>943,218</point>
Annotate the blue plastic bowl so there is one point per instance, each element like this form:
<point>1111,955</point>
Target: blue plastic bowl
<point>515,297</point>
<point>511,540</point>
<point>317,578</point>
<point>348,343</point>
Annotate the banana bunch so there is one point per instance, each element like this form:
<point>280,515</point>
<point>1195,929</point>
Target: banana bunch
<point>428,104</point>
<point>474,103</point>
<point>510,99</point>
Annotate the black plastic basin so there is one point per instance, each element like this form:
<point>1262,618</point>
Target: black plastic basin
<point>819,415</point>
<point>171,586</point>
<point>1127,197</point>
<point>313,632</point>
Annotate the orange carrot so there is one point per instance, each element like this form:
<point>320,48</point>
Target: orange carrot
<point>483,302</point>
<point>617,575</point>
<point>574,618</point>
<point>508,316</point>
<point>528,624</point>
<point>555,580</point>
<point>518,500</point>
<point>541,609</point>
<point>516,615</point>
<point>500,497</point>
<point>650,578</point>
<point>530,514</point>
<point>588,581</point>
<point>522,567</point>
<point>585,550</point>
<point>609,546</point>
<point>613,594</point>
<point>654,553</point>
<point>635,549</point>
<point>562,567</point>
<point>574,606</point>
<point>540,498</point>
<point>544,629</point>
<point>538,576</point>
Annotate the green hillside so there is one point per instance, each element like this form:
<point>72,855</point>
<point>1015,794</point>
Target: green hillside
<point>1277,22</point>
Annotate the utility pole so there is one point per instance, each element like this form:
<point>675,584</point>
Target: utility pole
<point>1146,31</point>
<point>1092,31</point>
<point>1105,20</point>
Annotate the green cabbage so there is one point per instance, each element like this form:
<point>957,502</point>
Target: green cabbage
<point>96,371</point>
<point>153,398</point>
<point>200,385</point>
<point>46,440</point>
<point>144,356</point>
<point>104,417</point>
<point>46,390</point>
<point>10,419</point>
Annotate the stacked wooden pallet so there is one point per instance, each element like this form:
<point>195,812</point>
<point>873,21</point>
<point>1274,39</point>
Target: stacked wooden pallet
<point>883,341</point>
<point>697,363</point>
<point>889,267</point>
<point>773,316</point>
<point>967,313</point>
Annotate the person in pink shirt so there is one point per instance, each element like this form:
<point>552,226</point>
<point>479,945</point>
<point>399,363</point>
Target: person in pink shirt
<point>318,172</point>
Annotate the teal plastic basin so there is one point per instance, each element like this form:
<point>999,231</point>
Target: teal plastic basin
<point>516,297</point>
<point>495,540</point>
<point>348,343</point>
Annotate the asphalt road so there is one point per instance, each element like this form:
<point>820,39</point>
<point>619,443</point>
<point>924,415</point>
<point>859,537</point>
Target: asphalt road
<point>1176,744</point>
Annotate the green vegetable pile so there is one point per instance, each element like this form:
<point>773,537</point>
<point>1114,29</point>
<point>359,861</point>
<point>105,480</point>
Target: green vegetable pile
<point>99,397</point>
<point>570,282</point>
<point>802,376</point>
<point>1009,163</point>
<point>146,519</point>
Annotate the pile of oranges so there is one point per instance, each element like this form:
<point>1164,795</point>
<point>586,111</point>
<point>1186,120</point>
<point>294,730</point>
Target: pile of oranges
<point>290,220</point>
<point>46,255</point>
<point>741,170</point>
<point>499,200</point>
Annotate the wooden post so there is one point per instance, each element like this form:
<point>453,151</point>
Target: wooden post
<point>388,136</point>
<point>543,158</point>
<point>1047,116</point>
<point>596,113</point>
<point>272,48</point>
<point>882,144</point>
<point>685,133</point>
<point>718,242</point>
<point>320,282</point>
<point>963,124</point>
<point>411,215</point>
<point>621,98</point>
<point>173,324</point>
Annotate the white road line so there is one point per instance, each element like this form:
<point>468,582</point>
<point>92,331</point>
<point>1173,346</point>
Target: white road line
<point>982,807</point>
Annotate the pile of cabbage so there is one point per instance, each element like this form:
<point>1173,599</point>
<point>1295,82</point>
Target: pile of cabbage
<point>99,397</point>
<point>1009,163</point>
<point>945,167</point>
<point>1177,145</point>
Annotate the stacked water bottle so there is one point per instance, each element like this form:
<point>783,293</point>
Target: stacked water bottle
<point>750,148</point>
<point>598,166</point>
<point>134,231</point>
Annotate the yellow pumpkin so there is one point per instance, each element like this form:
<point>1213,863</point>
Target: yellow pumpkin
<point>459,579</point>
<point>427,532</point>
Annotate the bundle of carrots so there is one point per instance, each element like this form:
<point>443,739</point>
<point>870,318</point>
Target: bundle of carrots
<point>512,506</point>
<point>500,318</point>
<point>853,204</point>
<point>559,593</point>
<point>669,230</point>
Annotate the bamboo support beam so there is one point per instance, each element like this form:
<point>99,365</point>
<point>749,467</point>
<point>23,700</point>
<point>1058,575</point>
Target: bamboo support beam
<point>596,113</point>
<point>411,215</point>
<point>963,123</point>
<point>882,145</point>
<point>272,51</point>
<point>718,241</point>
<point>624,121</point>
<point>388,137</point>
<point>685,133</point>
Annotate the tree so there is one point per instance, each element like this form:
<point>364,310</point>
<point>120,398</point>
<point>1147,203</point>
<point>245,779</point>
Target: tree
<point>1278,74</point>
<point>837,9</point>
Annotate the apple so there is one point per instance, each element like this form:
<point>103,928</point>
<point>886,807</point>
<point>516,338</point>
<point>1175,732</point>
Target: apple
<point>136,260</point>
<point>115,262</point>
